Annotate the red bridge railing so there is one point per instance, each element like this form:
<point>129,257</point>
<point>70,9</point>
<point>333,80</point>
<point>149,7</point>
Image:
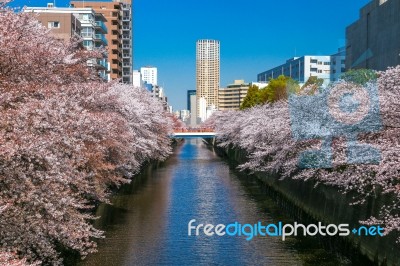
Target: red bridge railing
<point>193,130</point>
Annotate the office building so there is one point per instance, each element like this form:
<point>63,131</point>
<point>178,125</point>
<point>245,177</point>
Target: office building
<point>329,68</point>
<point>192,107</point>
<point>118,15</point>
<point>373,41</point>
<point>207,73</point>
<point>149,75</point>
<point>231,97</point>
<point>189,94</point>
<point>65,23</point>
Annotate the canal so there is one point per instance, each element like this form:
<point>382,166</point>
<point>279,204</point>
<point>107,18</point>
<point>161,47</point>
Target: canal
<point>147,223</point>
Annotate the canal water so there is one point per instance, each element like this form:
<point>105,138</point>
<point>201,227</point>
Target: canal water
<point>147,223</point>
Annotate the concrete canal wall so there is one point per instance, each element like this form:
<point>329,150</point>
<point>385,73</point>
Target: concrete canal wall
<point>307,203</point>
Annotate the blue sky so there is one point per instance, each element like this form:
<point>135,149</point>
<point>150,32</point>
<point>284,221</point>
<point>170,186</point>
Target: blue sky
<point>255,35</point>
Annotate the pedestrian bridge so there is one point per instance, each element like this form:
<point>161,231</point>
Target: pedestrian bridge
<point>193,133</point>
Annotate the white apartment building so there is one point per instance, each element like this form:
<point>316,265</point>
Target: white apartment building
<point>207,74</point>
<point>149,75</point>
<point>202,103</point>
<point>328,67</point>
<point>136,79</point>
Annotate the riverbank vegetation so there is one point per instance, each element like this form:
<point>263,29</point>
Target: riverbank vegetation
<point>66,138</point>
<point>275,136</point>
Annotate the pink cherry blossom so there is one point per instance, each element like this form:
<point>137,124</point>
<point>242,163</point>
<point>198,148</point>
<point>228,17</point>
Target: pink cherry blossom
<point>66,139</point>
<point>264,133</point>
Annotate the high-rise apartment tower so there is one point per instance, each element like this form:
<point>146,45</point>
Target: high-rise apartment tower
<point>207,72</point>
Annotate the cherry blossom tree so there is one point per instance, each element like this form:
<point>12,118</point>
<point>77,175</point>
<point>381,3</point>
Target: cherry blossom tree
<point>10,259</point>
<point>265,134</point>
<point>29,55</point>
<point>66,138</point>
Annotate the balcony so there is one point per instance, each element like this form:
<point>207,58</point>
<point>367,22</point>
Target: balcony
<point>101,38</point>
<point>126,46</point>
<point>126,64</point>
<point>103,75</point>
<point>126,37</point>
<point>100,25</point>
<point>126,27</point>
<point>102,63</point>
<point>126,18</point>
<point>87,35</point>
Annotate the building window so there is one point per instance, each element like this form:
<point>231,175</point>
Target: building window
<point>327,63</point>
<point>319,71</point>
<point>313,61</point>
<point>53,25</point>
<point>313,69</point>
<point>88,17</point>
<point>88,44</point>
<point>87,32</point>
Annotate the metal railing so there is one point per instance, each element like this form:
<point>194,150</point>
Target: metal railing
<point>102,38</point>
<point>102,62</point>
<point>101,25</point>
<point>193,130</point>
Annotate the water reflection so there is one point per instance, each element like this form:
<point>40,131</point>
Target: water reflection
<point>147,223</point>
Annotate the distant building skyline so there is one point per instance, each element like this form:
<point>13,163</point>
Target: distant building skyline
<point>246,51</point>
